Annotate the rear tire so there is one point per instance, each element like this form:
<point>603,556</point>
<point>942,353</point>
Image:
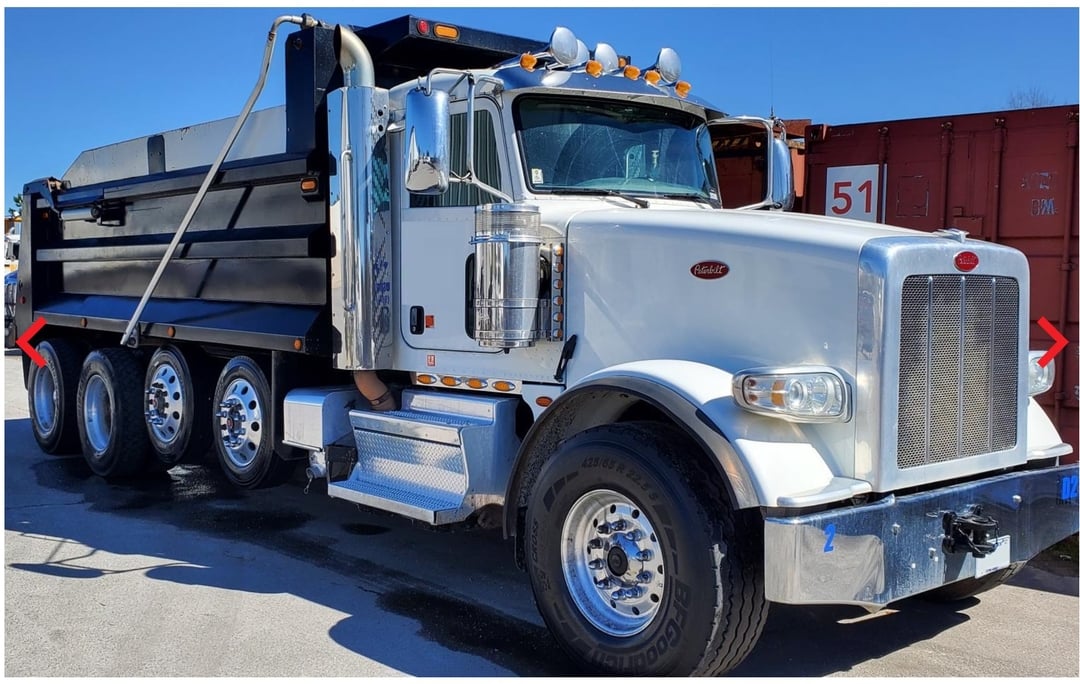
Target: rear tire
<point>177,398</point>
<point>51,391</point>
<point>112,428</point>
<point>243,432</point>
<point>699,611</point>
<point>965,589</point>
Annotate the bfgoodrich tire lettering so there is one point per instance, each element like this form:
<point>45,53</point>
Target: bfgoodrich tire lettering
<point>712,608</point>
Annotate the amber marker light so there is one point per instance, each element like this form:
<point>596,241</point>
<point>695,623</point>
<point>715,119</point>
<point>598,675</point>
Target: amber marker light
<point>543,401</point>
<point>450,381</point>
<point>82,322</point>
<point>503,386</point>
<point>309,185</point>
<point>594,68</point>
<point>527,62</point>
<point>682,88</point>
<point>171,332</point>
<point>652,76</point>
<point>476,383</point>
<point>425,379</point>
<point>446,32</point>
<point>297,344</point>
<point>623,63</point>
<point>631,72</point>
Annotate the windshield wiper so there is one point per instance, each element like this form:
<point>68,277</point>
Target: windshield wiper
<point>690,196</point>
<point>644,204</point>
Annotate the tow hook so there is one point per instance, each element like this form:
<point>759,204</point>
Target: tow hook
<point>969,530</point>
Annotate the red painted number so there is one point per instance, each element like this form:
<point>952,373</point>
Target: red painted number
<point>865,189</point>
<point>839,194</point>
<point>843,205</point>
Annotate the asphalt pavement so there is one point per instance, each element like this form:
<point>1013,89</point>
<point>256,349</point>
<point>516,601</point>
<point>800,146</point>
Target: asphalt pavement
<point>182,575</point>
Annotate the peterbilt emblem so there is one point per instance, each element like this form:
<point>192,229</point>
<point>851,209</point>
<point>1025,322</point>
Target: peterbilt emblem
<point>709,270</point>
<point>966,261</point>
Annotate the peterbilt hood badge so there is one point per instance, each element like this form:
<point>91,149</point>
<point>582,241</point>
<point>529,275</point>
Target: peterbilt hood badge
<point>709,270</point>
<point>966,261</point>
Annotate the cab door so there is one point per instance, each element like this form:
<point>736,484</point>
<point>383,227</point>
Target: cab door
<point>436,230</point>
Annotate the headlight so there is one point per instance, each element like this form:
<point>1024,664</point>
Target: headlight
<point>802,395</point>
<point>1040,378</point>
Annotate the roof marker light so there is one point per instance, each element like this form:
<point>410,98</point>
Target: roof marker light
<point>631,72</point>
<point>446,32</point>
<point>527,62</point>
<point>652,76</point>
<point>594,68</point>
<point>682,88</point>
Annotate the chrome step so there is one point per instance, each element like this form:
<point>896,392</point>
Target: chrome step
<point>439,458</point>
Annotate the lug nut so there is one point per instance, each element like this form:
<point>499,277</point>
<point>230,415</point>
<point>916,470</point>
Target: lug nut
<point>618,525</point>
<point>603,583</point>
<point>595,544</point>
<point>634,535</point>
<point>597,564</point>
<point>645,555</point>
<point>603,528</point>
<point>645,577</point>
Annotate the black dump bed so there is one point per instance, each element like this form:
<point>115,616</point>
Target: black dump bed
<point>253,267</point>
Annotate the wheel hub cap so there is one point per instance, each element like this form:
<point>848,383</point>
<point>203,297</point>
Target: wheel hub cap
<point>165,404</point>
<point>240,422</point>
<point>612,563</point>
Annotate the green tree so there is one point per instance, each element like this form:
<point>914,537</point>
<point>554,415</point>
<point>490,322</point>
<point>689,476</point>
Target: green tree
<point>17,209</point>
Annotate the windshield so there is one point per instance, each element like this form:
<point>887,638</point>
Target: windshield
<point>575,145</point>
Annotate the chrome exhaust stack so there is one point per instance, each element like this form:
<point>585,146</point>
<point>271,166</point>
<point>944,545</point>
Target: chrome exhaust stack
<point>360,280</point>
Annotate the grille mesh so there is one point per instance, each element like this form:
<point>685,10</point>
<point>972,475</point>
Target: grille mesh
<point>958,368</point>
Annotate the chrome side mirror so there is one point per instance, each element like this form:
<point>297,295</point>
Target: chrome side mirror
<point>781,175</point>
<point>427,142</point>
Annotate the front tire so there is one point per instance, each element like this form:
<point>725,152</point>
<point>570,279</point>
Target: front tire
<point>112,428</point>
<point>638,563</point>
<point>243,434</point>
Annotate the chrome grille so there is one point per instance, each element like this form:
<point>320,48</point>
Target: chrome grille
<point>958,368</point>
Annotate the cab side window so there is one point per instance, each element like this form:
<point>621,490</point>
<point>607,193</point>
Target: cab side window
<point>485,164</point>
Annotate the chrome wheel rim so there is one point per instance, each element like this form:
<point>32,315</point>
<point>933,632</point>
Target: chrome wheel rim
<point>97,413</point>
<point>46,399</point>
<point>612,563</point>
<point>165,404</point>
<point>240,423</point>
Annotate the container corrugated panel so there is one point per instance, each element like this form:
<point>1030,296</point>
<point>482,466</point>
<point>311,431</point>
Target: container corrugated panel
<point>1007,177</point>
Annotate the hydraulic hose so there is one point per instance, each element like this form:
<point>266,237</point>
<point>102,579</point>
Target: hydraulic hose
<point>130,337</point>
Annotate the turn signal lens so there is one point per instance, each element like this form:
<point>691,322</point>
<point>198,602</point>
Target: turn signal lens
<point>476,383</point>
<point>425,379</point>
<point>503,386</point>
<point>543,402</point>
<point>527,62</point>
<point>447,32</point>
<point>309,185</point>
<point>631,72</point>
<point>594,68</point>
<point>682,88</point>
<point>450,381</point>
<point>652,77</point>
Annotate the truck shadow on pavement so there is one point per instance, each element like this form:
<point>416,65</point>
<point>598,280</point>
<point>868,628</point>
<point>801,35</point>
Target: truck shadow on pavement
<point>796,642</point>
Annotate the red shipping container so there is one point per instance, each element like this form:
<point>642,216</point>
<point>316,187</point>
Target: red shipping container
<point>1007,177</point>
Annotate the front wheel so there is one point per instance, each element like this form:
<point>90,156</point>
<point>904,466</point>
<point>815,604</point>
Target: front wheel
<point>638,562</point>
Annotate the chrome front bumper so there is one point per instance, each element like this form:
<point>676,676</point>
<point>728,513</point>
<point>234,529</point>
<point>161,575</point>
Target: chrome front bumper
<point>878,553</point>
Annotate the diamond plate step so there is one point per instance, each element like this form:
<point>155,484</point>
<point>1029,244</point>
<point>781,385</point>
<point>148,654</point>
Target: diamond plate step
<point>438,458</point>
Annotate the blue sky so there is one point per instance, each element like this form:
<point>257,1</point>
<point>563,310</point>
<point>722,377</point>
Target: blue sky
<point>82,78</point>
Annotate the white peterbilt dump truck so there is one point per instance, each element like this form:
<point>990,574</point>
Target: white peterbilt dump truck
<point>463,276</point>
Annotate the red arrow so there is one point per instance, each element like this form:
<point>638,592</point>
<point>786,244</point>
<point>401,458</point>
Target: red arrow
<point>24,342</point>
<point>1059,341</point>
